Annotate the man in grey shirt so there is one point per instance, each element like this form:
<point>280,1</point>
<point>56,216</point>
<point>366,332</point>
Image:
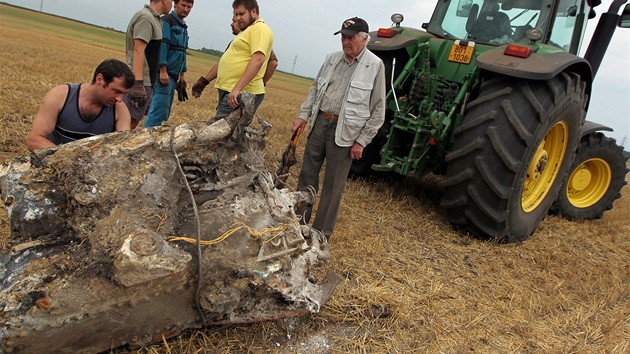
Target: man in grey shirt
<point>346,107</point>
<point>142,46</point>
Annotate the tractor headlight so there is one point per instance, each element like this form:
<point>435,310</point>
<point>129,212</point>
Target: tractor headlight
<point>534,34</point>
<point>397,19</point>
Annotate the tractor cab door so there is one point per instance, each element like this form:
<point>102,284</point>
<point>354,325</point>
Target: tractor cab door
<point>569,20</point>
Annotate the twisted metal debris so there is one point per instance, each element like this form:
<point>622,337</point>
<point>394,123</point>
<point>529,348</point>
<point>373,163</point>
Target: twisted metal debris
<point>108,248</point>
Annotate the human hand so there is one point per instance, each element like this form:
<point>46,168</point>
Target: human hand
<point>199,86</point>
<point>356,151</point>
<point>138,94</point>
<point>233,98</point>
<point>164,79</point>
<point>297,124</point>
<point>182,96</point>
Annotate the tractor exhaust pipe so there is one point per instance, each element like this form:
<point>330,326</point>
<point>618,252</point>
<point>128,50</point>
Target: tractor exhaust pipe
<point>602,35</point>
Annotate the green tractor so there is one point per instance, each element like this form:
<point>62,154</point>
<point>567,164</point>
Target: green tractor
<point>492,95</point>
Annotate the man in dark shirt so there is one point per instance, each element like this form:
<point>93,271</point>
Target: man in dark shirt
<point>72,112</point>
<point>142,46</point>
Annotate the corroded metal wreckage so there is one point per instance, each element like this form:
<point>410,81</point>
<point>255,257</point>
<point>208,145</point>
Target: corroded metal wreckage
<point>107,247</point>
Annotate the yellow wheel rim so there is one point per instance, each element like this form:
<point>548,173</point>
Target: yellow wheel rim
<point>588,183</point>
<point>543,169</point>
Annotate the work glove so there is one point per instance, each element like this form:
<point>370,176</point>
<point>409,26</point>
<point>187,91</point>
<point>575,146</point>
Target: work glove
<point>199,86</point>
<point>182,96</point>
<point>138,94</point>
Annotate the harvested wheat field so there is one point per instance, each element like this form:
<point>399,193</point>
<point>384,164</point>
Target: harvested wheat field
<point>410,283</point>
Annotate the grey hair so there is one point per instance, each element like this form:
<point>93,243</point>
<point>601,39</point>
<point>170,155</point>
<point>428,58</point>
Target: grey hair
<point>364,35</point>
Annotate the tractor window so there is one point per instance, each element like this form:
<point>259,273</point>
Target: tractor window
<point>454,24</point>
<point>492,22</point>
<point>562,31</point>
<point>564,26</point>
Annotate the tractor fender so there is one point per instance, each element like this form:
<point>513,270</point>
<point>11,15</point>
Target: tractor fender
<point>536,66</point>
<point>386,44</point>
<point>404,38</point>
<point>591,127</point>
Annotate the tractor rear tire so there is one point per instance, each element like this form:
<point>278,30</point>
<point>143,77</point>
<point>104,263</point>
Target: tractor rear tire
<point>511,154</point>
<point>595,179</point>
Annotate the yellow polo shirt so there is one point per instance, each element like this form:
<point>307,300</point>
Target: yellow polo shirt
<point>258,37</point>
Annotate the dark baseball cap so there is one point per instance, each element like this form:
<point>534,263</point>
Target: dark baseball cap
<point>353,26</point>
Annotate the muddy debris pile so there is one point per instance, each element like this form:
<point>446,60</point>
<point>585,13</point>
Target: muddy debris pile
<point>132,237</point>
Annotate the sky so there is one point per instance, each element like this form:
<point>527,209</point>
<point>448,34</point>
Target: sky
<point>303,35</point>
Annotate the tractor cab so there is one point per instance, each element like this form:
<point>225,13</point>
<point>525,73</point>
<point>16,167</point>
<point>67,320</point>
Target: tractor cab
<point>558,23</point>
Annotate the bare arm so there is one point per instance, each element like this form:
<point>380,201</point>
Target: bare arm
<point>138,57</point>
<point>272,64</point>
<point>253,67</point>
<point>123,118</point>
<point>46,118</point>
<point>271,69</point>
<point>212,74</point>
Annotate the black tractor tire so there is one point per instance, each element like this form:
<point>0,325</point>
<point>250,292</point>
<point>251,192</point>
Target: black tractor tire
<point>511,154</point>
<point>594,181</point>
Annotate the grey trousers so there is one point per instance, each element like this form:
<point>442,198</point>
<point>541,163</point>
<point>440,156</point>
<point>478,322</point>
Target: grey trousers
<point>321,146</point>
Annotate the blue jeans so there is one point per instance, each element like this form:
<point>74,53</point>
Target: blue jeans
<point>161,103</point>
<point>224,108</point>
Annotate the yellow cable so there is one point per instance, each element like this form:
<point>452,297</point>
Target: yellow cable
<point>236,227</point>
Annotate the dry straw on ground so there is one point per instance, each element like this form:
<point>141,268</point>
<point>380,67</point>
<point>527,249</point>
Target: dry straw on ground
<point>410,282</point>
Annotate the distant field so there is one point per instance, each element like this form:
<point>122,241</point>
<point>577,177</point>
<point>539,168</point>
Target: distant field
<point>411,284</point>
<point>19,18</point>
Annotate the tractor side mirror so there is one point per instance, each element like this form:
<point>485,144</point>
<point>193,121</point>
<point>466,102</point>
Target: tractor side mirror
<point>624,19</point>
<point>463,8</point>
<point>572,11</point>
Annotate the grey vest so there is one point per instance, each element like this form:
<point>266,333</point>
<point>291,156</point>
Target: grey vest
<point>355,110</point>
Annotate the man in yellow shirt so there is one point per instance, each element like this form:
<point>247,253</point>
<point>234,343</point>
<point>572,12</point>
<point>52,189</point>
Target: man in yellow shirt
<point>243,65</point>
<point>205,80</point>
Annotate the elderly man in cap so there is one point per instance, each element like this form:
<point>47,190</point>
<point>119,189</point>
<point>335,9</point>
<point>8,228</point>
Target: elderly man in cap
<point>346,107</point>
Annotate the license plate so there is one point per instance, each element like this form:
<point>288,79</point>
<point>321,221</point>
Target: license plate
<point>461,53</point>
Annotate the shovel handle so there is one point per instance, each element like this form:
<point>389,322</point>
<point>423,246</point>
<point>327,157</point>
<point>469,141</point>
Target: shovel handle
<point>296,135</point>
